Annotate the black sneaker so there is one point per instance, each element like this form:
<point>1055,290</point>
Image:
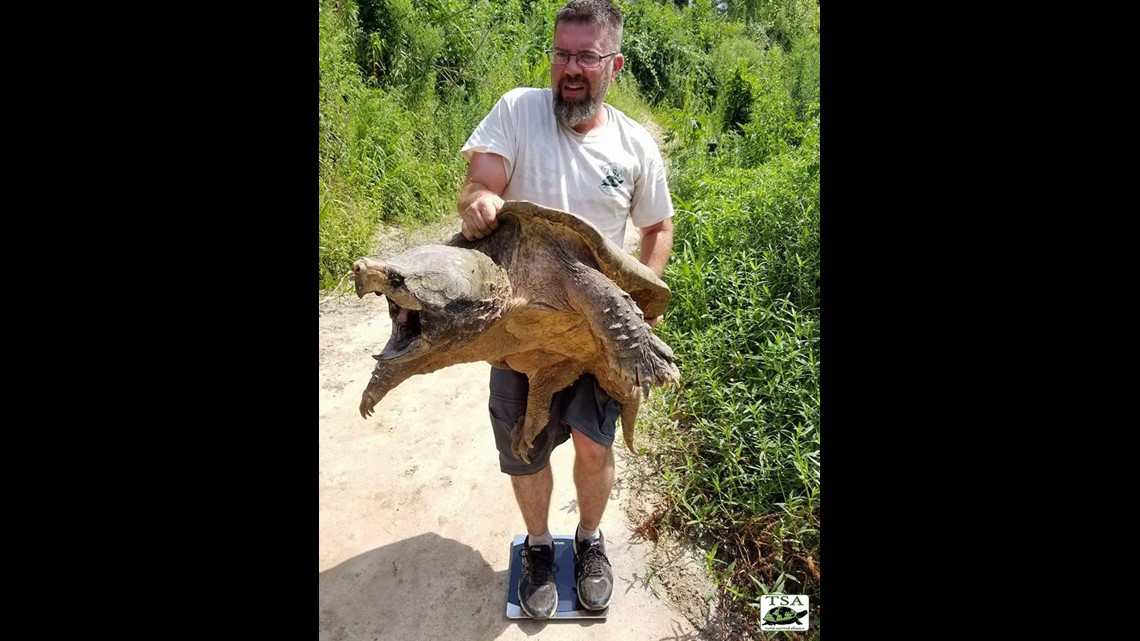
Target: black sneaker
<point>592,573</point>
<point>538,595</point>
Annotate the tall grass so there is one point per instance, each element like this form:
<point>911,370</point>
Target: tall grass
<point>742,458</point>
<point>402,85</point>
<point>739,455</point>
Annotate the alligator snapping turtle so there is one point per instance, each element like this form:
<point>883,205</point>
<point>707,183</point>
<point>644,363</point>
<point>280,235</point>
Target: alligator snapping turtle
<point>546,295</point>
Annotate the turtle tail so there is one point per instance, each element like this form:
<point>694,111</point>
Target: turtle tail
<point>629,410</point>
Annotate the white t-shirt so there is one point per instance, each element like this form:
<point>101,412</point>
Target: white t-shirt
<point>603,176</point>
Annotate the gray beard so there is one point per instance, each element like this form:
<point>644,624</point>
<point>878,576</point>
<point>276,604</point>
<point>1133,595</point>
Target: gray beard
<point>573,114</point>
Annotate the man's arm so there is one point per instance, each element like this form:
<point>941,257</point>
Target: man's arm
<point>656,244</point>
<point>481,198</point>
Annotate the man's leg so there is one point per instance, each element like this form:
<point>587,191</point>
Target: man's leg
<point>593,478</point>
<point>533,496</point>
<point>537,590</point>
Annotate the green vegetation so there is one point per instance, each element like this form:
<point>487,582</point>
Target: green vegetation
<point>402,85</point>
<point>735,92</point>
<point>738,97</point>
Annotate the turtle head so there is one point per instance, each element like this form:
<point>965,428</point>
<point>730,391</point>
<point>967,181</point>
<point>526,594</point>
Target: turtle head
<point>437,295</point>
<point>439,299</point>
<point>404,306</point>
<point>381,278</point>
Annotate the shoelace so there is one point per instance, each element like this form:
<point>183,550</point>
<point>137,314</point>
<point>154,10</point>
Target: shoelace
<point>592,559</point>
<point>541,565</point>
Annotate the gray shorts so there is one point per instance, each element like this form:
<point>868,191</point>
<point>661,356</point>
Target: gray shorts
<point>585,406</point>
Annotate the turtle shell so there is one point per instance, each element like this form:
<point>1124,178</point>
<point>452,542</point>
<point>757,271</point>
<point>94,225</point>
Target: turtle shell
<point>650,293</point>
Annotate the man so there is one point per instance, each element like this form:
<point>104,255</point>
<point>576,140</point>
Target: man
<point>564,148</point>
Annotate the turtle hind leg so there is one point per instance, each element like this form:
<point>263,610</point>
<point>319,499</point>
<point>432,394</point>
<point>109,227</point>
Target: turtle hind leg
<point>544,383</point>
<point>519,445</point>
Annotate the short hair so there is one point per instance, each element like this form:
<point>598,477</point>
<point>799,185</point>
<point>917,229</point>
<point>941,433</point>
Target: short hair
<point>601,13</point>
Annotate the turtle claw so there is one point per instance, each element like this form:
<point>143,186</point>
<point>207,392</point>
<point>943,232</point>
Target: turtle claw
<point>520,450</point>
<point>520,444</point>
<point>367,407</point>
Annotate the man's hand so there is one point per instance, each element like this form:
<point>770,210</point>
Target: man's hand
<point>653,321</point>
<point>481,198</point>
<point>479,217</point>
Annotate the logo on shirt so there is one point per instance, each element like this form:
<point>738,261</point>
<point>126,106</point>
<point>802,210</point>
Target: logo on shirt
<point>613,179</point>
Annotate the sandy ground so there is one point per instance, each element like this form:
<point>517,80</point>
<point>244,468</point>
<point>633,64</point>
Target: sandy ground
<point>416,521</point>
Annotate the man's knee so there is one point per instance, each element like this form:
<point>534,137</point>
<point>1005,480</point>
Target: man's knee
<point>589,452</point>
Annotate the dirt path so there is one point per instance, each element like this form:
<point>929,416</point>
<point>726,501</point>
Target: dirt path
<point>415,519</point>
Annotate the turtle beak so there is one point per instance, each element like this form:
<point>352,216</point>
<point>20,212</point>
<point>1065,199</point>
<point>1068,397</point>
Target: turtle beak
<point>368,275</point>
<point>376,276</point>
<point>387,279</point>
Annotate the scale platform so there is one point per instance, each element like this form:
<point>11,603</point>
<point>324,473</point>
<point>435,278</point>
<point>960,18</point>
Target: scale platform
<point>568,606</point>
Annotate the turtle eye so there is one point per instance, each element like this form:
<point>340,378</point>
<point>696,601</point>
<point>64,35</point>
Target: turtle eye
<point>395,280</point>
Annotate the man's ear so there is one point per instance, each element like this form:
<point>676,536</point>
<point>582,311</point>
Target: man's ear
<point>619,62</point>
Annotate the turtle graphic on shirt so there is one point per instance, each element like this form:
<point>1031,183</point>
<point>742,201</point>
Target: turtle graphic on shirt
<point>613,179</point>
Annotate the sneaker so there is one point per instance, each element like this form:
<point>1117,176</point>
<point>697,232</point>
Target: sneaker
<point>538,595</point>
<point>592,573</point>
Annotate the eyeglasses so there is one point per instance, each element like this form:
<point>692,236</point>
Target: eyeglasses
<point>586,59</point>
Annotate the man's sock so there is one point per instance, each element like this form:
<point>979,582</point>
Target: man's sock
<point>585,535</point>
<point>546,539</point>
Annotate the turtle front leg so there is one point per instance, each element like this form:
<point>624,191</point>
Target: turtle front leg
<point>544,383</point>
<point>634,351</point>
<point>385,377</point>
